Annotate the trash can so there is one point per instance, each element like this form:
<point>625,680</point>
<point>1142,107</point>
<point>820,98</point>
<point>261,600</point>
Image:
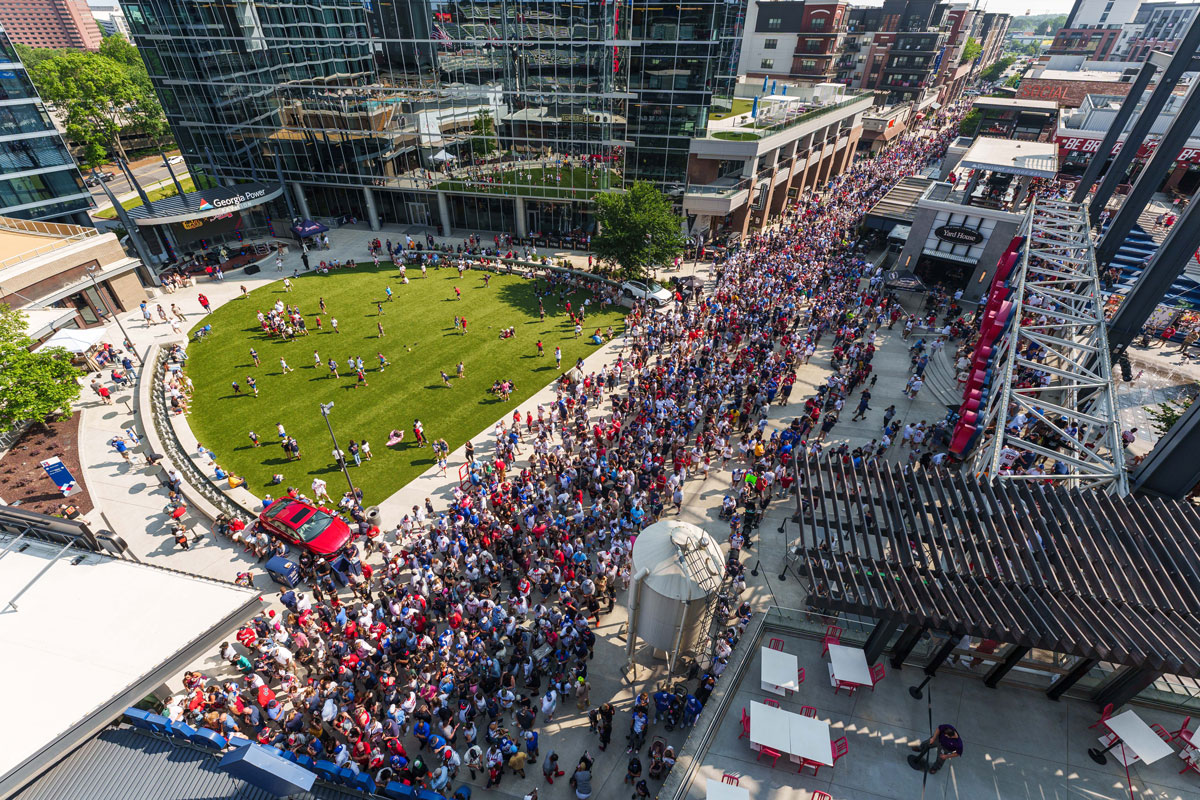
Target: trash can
<point>284,571</point>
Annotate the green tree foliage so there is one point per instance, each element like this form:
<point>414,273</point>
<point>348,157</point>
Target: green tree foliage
<point>1013,82</point>
<point>32,56</point>
<point>638,230</point>
<point>996,70</point>
<point>483,134</point>
<point>1164,415</point>
<point>101,96</point>
<point>32,385</point>
<point>971,50</point>
<point>970,123</point>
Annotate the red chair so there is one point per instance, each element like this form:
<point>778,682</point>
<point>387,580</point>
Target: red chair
<point>1162,732</point>
<point>849,687</point>
<point>839,749</point>
<point>876,674</point>
<point>799,680</point>
<point>776,644</point>
<point>808,711</point>
<point>730,779</point>
<point>1183,732</point>
<point>833,635</point>
<point>1192,765</point>
<point>745,734</point>
<point>1105,716</point>
<point>772,754</point>
<point>821,796</point>
<point>769,702</point>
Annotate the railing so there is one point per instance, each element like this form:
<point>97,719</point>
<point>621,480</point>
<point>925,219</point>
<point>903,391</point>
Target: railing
<point>720,189</point>
<point>808,116</point>
<point>64,235</point>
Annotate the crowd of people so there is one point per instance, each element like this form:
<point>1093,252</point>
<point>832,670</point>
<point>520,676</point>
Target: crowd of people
<point>468,628</point>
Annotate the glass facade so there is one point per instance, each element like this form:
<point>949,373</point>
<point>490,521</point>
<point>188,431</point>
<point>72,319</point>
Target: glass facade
<point>38,178</point>
<point>486,101</point>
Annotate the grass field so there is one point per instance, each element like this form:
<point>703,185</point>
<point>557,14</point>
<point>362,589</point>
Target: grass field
<point>740,106</point>
<point>420,340</point>
<point>541,182</point>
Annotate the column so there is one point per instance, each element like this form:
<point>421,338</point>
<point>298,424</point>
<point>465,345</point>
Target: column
<point>372,210</point>
<point>301,200</point>
<point>904,645</point>
<point>1124,685</point>
<point>996,673</point>
<point>1065,681</point>
<point>521,220</point>
<point>444,213</point>
<point>878,640</point>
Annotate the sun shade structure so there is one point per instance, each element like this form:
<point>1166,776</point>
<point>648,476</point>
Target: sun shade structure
<point>1074,571</point>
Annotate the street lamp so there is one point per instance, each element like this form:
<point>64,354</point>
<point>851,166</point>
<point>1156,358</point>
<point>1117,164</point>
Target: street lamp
<point>325,407</point>
<point>91,271</point>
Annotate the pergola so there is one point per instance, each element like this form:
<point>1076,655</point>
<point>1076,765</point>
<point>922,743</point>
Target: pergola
<point>1069,570</point>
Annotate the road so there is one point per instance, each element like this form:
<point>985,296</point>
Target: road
<point>151,171</point>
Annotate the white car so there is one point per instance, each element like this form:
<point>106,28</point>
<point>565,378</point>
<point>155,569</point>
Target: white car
<point>651,292</point>
<point>175,160</point>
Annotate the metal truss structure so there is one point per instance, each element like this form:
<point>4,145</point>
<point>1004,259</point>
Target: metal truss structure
<point>1053,363</point>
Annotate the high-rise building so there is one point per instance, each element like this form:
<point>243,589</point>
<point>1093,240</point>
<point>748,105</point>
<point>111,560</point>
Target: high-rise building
<point>50,23</point>
<point>38,178</point>
<point>799,39</point>
<point>476,115</point>
<point>1156,26</point>
<point>1094,28</point>
<point>109,17</point>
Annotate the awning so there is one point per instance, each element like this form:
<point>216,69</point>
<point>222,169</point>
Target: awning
<point>206,203</point>
<point>442,155</point>
<point>75,340</point>
<point>948,256</point>
<point>900,232</point>
<point>308,228</point>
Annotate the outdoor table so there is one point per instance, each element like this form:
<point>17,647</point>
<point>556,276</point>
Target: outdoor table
<point>810,740</point>
<point>850,665</point>
<point>1137,737</point>
<point>718,790</point>
<point>779,671</point>
<point>769,727</point>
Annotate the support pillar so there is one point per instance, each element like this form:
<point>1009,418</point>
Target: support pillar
<point>1065,681</point>
<point>1124,685</point>
<point>881,634</point>
<point>943,652</point>
<point>1164,155</point>
<point>444,213</point>
<point>997,673</point>
<point>521,217</point>
<point>1168,263</point>
<point>1092,172</point>
<point>1179,63</point>
<point>905,644</point>
<point>372,210</point>
<point>301,200</point>
<point>287,197</point>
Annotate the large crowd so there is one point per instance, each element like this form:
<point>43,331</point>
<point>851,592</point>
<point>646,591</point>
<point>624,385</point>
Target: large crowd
<point>471,624</point>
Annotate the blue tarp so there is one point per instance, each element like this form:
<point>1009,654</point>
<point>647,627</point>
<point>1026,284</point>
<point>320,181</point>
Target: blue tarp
<point>308,228</point>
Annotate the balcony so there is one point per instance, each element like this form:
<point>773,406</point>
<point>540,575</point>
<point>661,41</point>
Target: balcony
<point>776,118</point>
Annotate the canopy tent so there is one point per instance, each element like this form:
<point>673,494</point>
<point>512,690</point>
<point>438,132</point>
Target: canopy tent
<point>442,155</point>
<point>904,281</point>
<point>308,228</point>
<point>75,340</point>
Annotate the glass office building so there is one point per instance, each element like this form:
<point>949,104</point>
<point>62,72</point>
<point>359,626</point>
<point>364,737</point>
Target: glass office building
<point>501,115</point>
<point>39,179</point>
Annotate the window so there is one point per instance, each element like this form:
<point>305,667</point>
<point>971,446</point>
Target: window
<point>818,23</point>
<point>770,44</point>
<point>774,23</point>
<point>767,63</point>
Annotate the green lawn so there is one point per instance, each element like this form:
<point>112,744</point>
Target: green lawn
<point>538,182</point>
<point>740,106</point>
<point>737,136</point>
<point>420,340</point>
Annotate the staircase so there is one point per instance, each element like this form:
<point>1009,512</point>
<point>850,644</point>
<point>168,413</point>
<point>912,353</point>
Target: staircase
<point>1140,246</point>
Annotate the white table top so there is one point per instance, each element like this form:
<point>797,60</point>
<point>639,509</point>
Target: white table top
<point>810,739</point>
<point>726,791</point>
<point>850,665</point>
<point>780,669</point>
<point>769,726</point>
<point>1139,737</point>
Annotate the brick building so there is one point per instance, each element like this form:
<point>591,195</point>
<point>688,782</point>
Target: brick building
<point>50,23</point>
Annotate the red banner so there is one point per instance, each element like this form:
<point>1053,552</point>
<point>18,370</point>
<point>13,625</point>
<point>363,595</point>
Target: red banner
<point>1079,144</point>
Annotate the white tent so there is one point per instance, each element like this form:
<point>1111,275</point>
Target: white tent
<point>75,340</point>
<point>442,155</point>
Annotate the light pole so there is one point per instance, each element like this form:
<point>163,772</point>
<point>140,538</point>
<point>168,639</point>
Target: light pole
<point>325,407</point>
<point>91,271</point>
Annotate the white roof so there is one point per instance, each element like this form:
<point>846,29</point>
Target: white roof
<point>84,633</point>
<point>39,319</point>
<point>1013,102</point>
<point>1080,75</point>
<point>76,340</point>
<point>1034,159</point>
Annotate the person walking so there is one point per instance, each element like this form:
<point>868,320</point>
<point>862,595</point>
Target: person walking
<point>283,365</point>
<point>202,299</point>
<point>947,743</point>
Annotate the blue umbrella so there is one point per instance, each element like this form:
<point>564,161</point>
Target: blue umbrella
<point>765,84</point>
<point>754,108</point>
<point>785,88</point>
<point>773,85</point>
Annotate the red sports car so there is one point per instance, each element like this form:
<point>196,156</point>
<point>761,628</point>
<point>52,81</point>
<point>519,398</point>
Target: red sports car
<point>298,523</point>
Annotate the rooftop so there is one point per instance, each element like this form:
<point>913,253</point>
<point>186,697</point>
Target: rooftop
<point>22,240</point>
<point>1012,102</point>
<point>1079,75</point>
<point>1033,159</point>
<point>84,627</point>
<point>900,203</point>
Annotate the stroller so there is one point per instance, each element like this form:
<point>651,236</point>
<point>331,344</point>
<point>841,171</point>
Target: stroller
<point>657,767</point>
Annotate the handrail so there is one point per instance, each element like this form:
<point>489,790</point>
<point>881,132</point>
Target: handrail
<point>66,235</point>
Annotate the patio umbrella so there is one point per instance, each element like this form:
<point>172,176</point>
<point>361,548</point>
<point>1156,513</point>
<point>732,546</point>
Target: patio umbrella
<point>754,108</point>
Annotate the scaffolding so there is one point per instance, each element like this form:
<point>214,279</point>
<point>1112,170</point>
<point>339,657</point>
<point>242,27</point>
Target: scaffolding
<point>1054,366</point>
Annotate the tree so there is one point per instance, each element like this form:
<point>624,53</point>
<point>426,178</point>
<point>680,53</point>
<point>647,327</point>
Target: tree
<point>997,69</point>
<point>32,56</point>
<point>971,50</point>
<point>483,134</point>
<point>101,99</point>
<point>970,122</point>
<point>1013,81</point>
<point>33,386</point>
<point>118,48</point>
<point>1164,416</point>
<point>638,230</point>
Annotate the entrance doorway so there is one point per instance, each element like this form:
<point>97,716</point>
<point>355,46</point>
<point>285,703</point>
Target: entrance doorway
<point>418,213</point>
